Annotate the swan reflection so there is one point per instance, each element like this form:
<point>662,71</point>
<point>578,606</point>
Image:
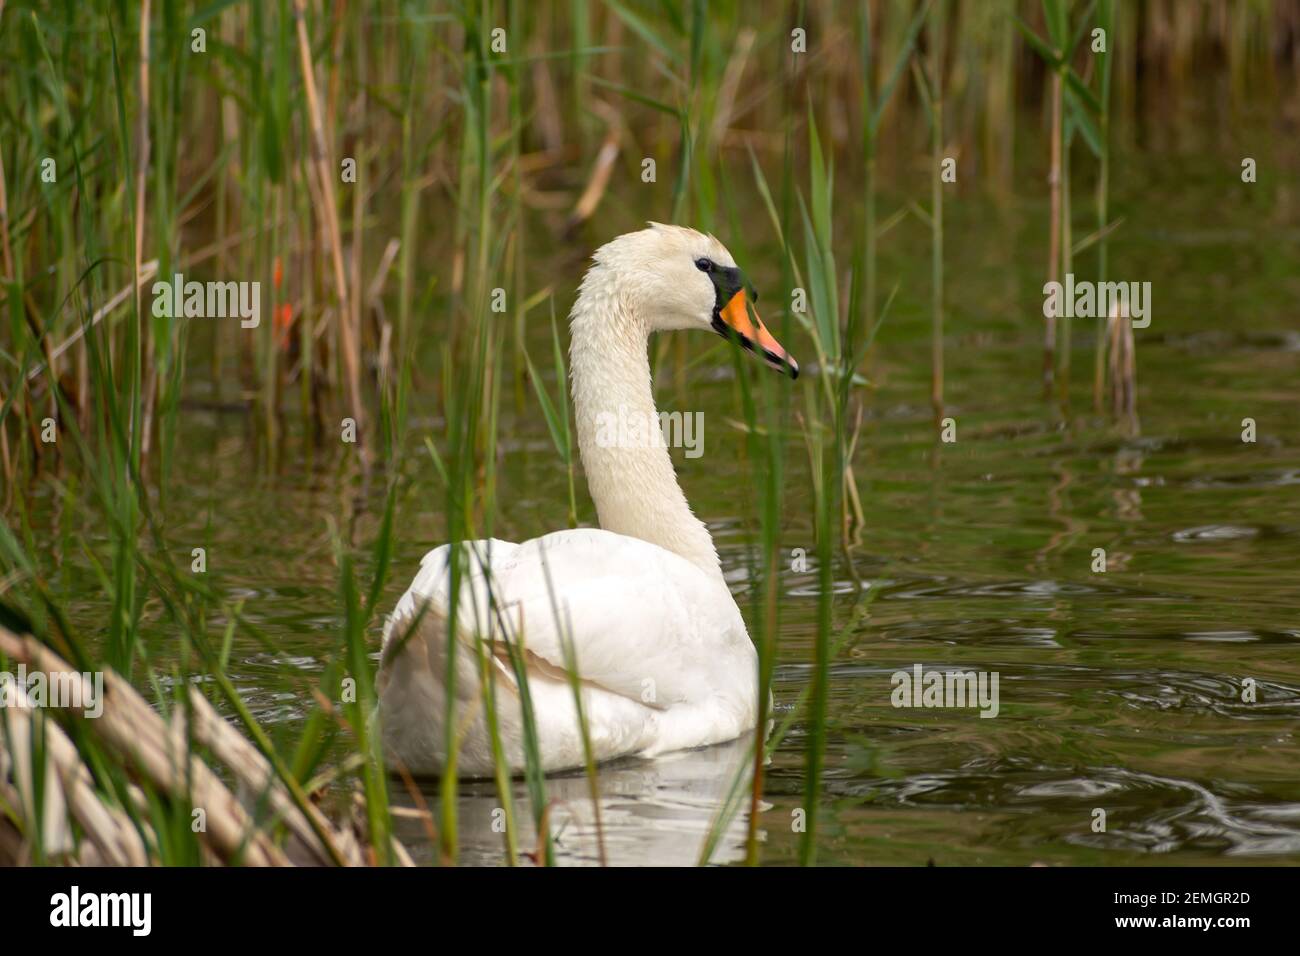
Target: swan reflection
<point>654,812</point>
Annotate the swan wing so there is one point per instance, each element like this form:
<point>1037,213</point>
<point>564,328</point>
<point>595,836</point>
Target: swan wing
<point>642,622</point>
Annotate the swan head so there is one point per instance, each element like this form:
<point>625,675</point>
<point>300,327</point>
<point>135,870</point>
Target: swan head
<point>677,278</point>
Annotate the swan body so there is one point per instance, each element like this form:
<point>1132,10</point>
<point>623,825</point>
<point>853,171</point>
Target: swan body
<point>635,615</point>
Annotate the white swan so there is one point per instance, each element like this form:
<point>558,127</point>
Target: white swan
<point>659,645</point>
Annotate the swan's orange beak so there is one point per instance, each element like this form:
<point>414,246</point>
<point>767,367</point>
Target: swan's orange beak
<point>755,336</point>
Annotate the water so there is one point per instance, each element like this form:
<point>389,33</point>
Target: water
<point>1120,691</point>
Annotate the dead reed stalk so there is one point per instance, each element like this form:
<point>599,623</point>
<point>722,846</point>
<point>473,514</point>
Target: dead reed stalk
<point>1122,361</point>
<point>348,334</point>
<point>161,753</point>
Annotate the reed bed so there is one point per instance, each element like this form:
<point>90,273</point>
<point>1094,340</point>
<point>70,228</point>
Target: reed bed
<point>402,180</point>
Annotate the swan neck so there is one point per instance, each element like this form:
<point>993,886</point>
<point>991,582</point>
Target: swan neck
<point>629,471</point>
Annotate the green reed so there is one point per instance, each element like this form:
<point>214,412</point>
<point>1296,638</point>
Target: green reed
<point>1106,21</point>
<point>874,105</point>
<point>930,85</point>
<point>1073,105</point>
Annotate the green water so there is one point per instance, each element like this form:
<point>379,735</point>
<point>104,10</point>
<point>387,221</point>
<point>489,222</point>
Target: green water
<point>1119,691</point>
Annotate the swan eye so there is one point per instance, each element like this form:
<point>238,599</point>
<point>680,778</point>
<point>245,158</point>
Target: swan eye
<point>704,265</point>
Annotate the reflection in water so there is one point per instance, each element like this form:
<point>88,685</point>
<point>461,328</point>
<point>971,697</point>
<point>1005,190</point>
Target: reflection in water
<point>656,812</point>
